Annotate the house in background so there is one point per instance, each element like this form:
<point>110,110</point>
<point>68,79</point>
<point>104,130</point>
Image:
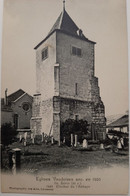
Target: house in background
<point>121,124</point>
<point>16,109</point>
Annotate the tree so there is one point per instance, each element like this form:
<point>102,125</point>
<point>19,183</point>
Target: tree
<point>8,133</point>
<point>76,127</point>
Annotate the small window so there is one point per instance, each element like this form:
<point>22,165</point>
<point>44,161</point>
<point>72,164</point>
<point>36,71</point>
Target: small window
<point>76,51</point>
<point>45,53</point>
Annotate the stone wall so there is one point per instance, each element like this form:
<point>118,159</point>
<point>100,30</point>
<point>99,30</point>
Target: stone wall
<point>67,86</point>
<point>36,125</point>
<point>95,91</point>
<point>86,110</point>
<point>99,120</point>
<point>45,68</point>
<point>47,116</point>
<point>42,116</point>
<point>75,69</point>
<point>56,117</point>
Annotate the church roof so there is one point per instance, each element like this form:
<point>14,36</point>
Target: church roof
<point>65,24</point>
<point>15,95</point>
<point>12,98</point>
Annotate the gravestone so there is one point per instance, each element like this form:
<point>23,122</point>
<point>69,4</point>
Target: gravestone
<point>32,136</point>
<point>101,146</point>
<point>42,137</point>
<point>52,140</point>
<point>25,135</point>
<point>20,137</point>
<point>72,139</point>
<point>64,140</point>
<point>119,144</point>
<point>85,143</point>
<point>75,144</point>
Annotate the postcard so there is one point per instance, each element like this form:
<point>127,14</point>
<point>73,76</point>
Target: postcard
<point>64,97</point>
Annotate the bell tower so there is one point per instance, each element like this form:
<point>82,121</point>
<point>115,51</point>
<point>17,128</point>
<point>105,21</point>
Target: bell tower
<point>66,84</point>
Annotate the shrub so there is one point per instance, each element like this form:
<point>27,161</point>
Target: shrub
<point>76,127</point>
<point>8,134</point>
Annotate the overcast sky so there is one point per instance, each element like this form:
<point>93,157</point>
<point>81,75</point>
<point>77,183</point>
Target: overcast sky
<point>27,22</point>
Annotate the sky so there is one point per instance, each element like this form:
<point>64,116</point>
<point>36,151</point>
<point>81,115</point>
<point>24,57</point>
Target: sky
<point>27,22</point>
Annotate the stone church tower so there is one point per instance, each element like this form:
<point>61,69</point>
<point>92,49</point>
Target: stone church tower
<point>66,84</point>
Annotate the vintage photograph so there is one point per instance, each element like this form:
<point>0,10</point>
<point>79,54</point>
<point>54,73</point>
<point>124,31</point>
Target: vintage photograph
<point>64,97</point>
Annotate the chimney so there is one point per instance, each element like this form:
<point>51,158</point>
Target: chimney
<point>6,98</point>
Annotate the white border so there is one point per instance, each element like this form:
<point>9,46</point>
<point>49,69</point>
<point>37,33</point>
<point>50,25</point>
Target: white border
<point>128,26</point>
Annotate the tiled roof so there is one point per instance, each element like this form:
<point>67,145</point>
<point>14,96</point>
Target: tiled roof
<point>65,24</point>
<point>121,122</point>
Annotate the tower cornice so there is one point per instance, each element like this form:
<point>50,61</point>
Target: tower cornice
<point>65,32</point>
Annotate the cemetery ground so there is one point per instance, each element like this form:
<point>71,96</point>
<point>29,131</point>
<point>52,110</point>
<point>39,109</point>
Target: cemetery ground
<point>49,158</point>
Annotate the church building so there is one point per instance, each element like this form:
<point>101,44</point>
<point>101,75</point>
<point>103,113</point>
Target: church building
<point>65,81</point>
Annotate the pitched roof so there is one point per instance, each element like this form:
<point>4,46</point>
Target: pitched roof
<point>113,118</point>
<point>15,95</point>
<point>65,24</point>
<point>11,98</point>
<point>121,122</point>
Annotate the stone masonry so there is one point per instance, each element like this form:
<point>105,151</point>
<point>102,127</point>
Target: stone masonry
<point>66,83</point>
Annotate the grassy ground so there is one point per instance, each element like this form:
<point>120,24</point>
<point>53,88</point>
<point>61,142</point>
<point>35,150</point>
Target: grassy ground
<point>37,158</point>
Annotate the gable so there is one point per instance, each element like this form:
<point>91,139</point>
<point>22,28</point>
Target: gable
<point>24,98</point>
<point>14,96</point>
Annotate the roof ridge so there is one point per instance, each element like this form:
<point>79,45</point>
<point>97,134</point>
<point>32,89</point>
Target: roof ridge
<point>16,92</point>
<point>61,18</point>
